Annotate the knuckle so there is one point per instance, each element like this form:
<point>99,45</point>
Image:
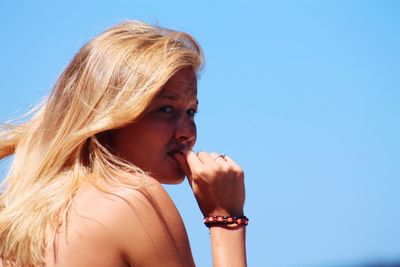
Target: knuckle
<point>238,170</point>
<point>213,154</point>
<point>201,153</point>
<point>225,168</point>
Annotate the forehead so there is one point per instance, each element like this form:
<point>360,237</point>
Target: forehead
<point>183,86</point>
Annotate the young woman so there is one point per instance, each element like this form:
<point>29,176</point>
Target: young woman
<point>84,187</point>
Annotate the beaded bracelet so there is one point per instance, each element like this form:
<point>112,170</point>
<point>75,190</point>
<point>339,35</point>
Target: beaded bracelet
<point>227,220</point>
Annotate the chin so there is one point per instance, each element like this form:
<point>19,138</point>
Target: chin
<point>175,177</point>
<point>175,181</point>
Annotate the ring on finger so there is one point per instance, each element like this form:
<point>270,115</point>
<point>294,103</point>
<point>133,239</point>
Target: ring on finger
<point>220,156</point>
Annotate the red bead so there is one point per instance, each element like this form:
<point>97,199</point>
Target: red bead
<point>227,220</point>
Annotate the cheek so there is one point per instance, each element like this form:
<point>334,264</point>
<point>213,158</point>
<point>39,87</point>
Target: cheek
<point>131,138</point>
<point>158,136</point>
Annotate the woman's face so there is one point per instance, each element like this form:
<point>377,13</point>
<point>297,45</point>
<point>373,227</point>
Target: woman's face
<point>167,128</point>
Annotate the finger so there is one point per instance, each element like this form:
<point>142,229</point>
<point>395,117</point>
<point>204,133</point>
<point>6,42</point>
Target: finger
<point>219,158</point>
<point>206,158</point>
<point>214,155</point>
<point>193,161</point>
<point>233,163</point>
<point>181,158</point>
<point>183,163</point>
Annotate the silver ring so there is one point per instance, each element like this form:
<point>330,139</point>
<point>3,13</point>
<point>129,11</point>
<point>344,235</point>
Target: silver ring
<point>221,156</point>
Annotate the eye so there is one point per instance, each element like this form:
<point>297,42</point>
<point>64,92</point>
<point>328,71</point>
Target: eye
<point>165,109</point>
<point>192,112</point>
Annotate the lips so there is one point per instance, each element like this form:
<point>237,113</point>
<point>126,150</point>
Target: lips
<point>172,154</point>
<point>177,148</point>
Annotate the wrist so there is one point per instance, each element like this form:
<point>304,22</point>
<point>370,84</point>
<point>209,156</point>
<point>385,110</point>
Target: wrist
<point>224,212</point>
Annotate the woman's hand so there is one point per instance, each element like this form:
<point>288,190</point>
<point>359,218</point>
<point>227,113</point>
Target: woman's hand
<point>217,182</point>
<point>218,185</point>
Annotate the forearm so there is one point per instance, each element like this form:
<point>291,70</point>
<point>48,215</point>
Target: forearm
<point>228,246</point>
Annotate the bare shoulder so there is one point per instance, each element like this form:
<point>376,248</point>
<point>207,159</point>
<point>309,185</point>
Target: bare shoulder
<point>124,227</point>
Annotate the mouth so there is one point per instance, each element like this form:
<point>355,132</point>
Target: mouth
<point>175,152</point>
<point>172,154</point>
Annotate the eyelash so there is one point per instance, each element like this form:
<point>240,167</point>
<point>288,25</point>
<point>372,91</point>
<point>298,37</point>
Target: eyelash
<point>192,112</point>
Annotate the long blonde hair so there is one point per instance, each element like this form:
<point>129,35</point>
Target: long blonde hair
<point>109,83</point>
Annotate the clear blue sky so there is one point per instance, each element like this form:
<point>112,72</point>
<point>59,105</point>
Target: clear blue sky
<point>304,94</point>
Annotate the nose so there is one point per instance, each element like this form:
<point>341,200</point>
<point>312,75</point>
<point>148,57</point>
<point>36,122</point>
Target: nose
<point>185,131</point>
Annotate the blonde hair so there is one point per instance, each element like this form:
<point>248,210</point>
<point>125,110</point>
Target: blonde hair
<point>109,83</point>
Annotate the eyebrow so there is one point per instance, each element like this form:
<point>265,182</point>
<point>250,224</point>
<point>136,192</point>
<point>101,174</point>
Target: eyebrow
<point>168,96</point>
<point>172,97</point>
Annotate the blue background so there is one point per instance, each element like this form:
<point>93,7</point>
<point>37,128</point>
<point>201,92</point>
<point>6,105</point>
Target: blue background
<point>303,94</point>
